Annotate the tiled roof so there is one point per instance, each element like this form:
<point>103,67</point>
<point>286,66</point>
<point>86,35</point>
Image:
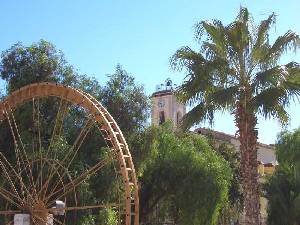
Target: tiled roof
<point>225,137</point>
<point>162,93</point>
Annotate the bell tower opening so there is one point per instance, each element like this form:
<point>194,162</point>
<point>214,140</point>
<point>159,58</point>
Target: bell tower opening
<point>178,118</point>
<point>161,117</point>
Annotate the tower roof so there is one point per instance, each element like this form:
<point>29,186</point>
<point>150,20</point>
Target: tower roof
<point>164,89</point>
<point>162,93</point>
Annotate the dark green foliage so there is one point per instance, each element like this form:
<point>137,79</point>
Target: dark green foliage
<point>234,207</point>
<point>283,188</point>
<point>183,176</point>
<point>230,154</point>
<point>126,101</point>
<point>288,150</point>
<point>39,62</point>
<point>283,194</point>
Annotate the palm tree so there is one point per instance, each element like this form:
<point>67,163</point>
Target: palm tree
<point>237,70</point>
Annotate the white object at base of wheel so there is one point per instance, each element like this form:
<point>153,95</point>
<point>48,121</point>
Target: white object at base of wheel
<point>24,219</point>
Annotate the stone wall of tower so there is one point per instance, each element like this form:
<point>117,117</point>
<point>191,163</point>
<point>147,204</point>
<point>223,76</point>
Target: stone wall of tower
<point>167,103</point>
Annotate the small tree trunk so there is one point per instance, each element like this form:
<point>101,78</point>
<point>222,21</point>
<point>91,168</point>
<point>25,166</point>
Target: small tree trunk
<point>246,123</point>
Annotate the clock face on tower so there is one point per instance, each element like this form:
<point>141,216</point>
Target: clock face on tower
<point>161,103</point>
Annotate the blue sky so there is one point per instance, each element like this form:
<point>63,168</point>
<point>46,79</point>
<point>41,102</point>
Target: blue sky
<point>140,35</point>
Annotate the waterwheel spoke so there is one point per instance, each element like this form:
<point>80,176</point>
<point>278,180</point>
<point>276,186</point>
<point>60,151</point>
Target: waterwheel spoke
<point>37,141</point>
<point>9,167</point>
<point>16,148</point>
<point>58,125</point>
<point>11,198</point>
<point>55,163</point>
<point>57,221</point>
<point>75,208</point>
<point>10,212</point>
<point>78,180</point>
<point>25,158</point>
<point>8,196</point>
<point>8,178</point>
<point>70,156</point>
<point>57,129</point>
<point>21,155</point>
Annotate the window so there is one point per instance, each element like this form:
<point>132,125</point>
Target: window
<point>161,117</point>
<point>178,117</point>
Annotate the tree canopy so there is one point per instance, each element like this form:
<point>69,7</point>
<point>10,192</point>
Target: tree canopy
<point>39,62</point>
<point>126,100</point>
<point>234,207</point>
<point>283,188</point>
<point>182,178</point>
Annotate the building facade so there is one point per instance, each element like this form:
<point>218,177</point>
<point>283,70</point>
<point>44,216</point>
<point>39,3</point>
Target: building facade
<point>265,153</point>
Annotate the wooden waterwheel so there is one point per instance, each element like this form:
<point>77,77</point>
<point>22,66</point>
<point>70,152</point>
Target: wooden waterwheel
<point>41,174</point>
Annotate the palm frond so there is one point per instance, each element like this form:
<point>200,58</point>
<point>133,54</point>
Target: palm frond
<point>271,103</point>
<point>225,97</point>
<point>215,32</point>
<point>238,34</point>
<point>191,90</point>
<point>203,79</point>
<point>196,78</point>
<point>185,57</point>
<point>243,15</point>
<point>262,38</point>
<point>200,113</point>
<point>289,41</point>
<point>277,75</point>
<point>211,50</point>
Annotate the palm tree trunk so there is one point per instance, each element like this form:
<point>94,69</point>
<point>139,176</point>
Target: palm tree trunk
<point>246,123</point>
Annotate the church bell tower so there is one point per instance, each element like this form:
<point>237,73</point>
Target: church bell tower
<point>165,105</point>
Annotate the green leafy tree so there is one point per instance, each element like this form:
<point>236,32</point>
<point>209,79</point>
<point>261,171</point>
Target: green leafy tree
<point>234,206</point>
<point>126,101</point>
<point>182,178</point>
<point>283,188</point>
<point>237,70</point>
<point>288,151</point>
<point>283,194</point>
<point>39,62</point>
<point>109,217</point>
